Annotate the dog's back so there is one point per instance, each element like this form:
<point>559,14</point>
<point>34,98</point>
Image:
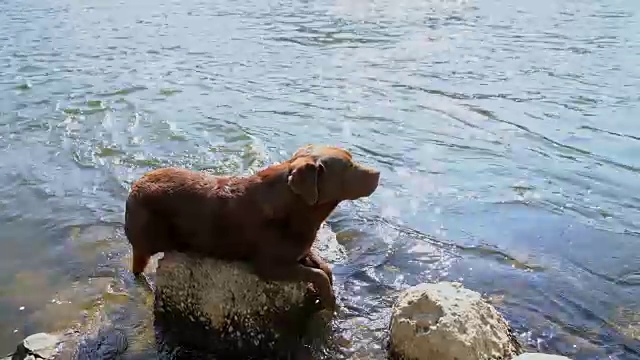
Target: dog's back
<point>174,209</point>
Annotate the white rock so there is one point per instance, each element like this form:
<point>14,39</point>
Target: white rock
<point>445,321</point>
<point>42,344</point>
<point>540,356</point>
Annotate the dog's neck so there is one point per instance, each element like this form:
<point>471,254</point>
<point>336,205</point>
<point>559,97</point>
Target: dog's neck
<point>278,201</point>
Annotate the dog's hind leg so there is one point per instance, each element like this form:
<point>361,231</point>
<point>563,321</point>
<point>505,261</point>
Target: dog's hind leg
<point>142,235</point>
<point>139,262</point>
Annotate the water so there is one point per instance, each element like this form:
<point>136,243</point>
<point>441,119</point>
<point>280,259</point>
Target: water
<point>506,133</point>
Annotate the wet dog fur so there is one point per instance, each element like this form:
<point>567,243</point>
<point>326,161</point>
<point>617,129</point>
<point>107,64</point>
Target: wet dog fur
<point>269,219</point>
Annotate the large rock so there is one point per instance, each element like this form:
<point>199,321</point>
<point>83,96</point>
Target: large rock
<point>445,321</point>
<point>540,356</point>
<point>217,307</point>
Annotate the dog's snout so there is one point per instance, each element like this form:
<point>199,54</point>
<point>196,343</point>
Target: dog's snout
<point>369,180</point>
<point>374,175</point>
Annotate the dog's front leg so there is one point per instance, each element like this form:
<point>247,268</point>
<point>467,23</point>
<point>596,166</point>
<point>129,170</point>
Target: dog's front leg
<point>275,269</point>
<point>315,261</point>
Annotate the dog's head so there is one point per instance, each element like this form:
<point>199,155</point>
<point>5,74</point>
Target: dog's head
<point>322,174</point>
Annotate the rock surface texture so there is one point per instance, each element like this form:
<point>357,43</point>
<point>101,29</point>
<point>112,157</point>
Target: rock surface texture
<point>445,321</point>
<point>222,308</point>
<point>540,356</point>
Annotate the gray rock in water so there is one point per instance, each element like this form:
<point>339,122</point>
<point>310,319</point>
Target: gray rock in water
<point>40,345</point>
<point>108,343</point>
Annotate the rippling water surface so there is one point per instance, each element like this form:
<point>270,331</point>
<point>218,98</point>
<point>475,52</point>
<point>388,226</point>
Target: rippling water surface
<point>507,133</point>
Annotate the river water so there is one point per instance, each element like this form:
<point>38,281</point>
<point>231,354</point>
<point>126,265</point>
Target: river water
<point>504,131</point>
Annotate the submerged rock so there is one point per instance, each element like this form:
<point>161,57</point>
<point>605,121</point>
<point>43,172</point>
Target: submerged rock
<point>540,356</point>
<point>216,307</point>
<point>445,321</point>
<point>107,343</point>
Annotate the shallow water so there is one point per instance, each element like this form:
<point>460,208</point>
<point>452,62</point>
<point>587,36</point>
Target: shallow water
<point>506,133</point>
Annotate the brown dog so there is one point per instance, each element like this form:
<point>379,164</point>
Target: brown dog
<point>269,219</point>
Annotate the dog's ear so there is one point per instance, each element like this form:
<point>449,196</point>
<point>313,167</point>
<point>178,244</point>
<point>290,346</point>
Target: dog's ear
<point>303,179</point>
